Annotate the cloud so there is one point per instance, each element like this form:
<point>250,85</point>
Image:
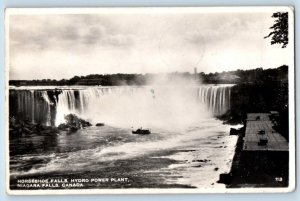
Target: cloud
<point>61,46</point>
<point>66,32</point>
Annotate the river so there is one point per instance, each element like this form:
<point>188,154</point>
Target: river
<point>187,148</point>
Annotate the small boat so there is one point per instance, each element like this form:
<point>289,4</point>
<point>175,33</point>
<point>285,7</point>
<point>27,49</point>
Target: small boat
<point>141,131</point>
<point>100,124</point>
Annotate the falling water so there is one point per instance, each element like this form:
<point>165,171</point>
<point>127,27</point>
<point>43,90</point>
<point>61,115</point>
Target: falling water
<point>180,150</point>
<point>216,98</point>
<point>32,105</point>
<point>39,105</point>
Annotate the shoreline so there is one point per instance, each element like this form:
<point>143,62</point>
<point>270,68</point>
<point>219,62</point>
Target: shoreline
<point>265,167</point>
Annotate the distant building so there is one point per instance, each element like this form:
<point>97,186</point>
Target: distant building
<point>195,74</point>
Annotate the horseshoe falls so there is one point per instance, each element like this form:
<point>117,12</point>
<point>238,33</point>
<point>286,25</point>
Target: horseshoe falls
<point>188,146</point>
<point>49,105</point>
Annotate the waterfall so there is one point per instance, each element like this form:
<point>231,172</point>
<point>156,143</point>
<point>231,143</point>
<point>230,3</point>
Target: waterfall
<point>49,106</point>
<point>216,98</point>
<point>65,105</point>
<point>36,106</point>
<point>84,102</point>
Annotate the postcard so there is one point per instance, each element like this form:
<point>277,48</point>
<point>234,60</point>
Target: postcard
<point>149,100</point>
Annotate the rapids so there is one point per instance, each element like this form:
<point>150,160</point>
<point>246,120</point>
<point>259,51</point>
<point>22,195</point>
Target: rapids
<point>187,146</point>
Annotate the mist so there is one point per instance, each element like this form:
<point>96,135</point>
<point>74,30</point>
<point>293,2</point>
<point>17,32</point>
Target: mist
<point>164,103</point>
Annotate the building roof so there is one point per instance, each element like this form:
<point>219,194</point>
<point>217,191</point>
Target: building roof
<point>259,126</point>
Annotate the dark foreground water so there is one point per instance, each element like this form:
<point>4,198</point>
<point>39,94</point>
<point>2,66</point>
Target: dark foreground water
<point>112,157</point>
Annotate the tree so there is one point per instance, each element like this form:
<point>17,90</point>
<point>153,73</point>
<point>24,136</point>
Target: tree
<point>74,80</point>
<point>280,29</point>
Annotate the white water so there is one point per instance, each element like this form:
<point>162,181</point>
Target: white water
<point>209,140</point>
<point>181,118</point>
<point>130,106</point>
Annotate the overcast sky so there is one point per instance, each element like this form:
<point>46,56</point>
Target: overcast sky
<point>60,46</point>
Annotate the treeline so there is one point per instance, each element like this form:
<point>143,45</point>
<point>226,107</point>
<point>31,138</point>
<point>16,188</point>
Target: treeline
<point>230,77</point>
<point>246,76</point>
<point>104,80</point>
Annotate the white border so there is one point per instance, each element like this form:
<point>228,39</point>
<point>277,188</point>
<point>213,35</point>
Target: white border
<point>153,10</point>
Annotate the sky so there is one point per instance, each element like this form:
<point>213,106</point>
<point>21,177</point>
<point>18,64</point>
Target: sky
<point>57,46</point>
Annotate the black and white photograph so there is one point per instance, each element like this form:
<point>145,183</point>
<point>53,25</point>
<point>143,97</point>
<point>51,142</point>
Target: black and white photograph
<point>150,100</point>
